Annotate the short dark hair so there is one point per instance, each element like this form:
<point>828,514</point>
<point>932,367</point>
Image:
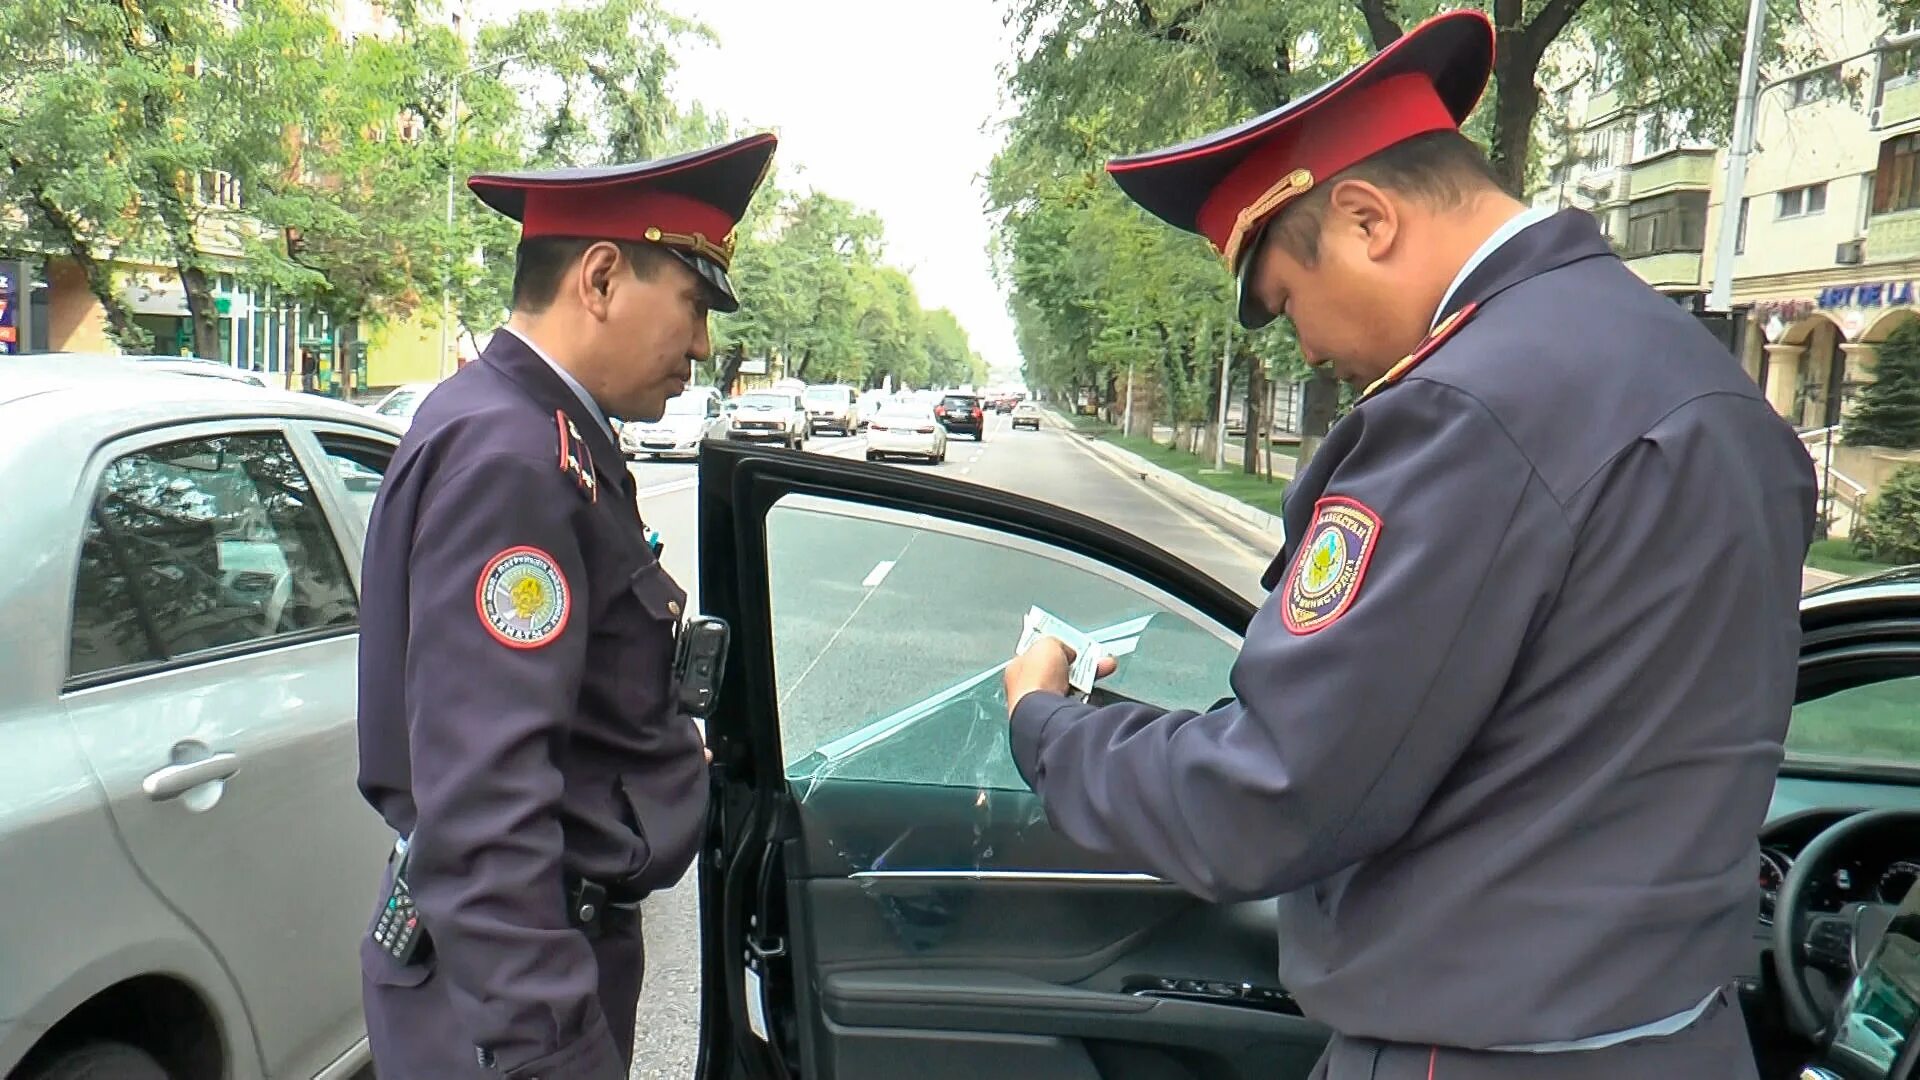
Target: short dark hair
<point>540,263</point>
<point>1442,168</point>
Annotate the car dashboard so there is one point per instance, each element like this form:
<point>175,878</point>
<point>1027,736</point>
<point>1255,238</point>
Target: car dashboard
<point>1879,874</point>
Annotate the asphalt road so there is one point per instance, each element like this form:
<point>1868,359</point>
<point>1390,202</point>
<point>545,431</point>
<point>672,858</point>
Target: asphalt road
<point>852,593</point>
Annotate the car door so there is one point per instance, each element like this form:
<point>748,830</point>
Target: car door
<point>882,892</point>
<point>211,685</point>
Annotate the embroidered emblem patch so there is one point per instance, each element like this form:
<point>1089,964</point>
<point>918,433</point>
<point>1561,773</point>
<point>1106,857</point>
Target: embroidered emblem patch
<point>575,459</point>
<point>1332,560</point>
<point>523,598</point>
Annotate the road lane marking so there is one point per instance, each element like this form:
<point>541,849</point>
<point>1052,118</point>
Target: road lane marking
<point>851,615</point>
<point>880,572</point>
<point>1238,546</point>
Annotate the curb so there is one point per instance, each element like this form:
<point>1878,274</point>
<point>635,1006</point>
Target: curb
<point>1257,524</point>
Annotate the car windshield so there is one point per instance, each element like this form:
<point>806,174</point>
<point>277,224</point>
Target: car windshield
<point>766,401</point>
<point>826,393</point>
<point>400,404</point>
<point>960,402</point>
<point>687,405</point>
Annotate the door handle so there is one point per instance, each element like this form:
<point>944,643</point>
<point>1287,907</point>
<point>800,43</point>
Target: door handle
<point>175,780</point>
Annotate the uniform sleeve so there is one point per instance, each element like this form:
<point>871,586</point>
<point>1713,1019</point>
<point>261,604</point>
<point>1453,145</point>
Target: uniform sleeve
<point>496,647</point>
<point>1362,679</point>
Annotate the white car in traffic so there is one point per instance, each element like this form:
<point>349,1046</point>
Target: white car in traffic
<point>403,401</point>
<point>692,417</point>
<point>768,416</point>
<point>906,429</point>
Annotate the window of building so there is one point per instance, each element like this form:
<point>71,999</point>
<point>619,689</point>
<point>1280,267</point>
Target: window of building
<point>213,187</point>
<point>1899,66</point>
<point>1816,86</point>
<point>1667,223</point>
<point>1866,204</point>
<point>1897,182</point>
<point>1657,132</point>
<point>1740,230</point>
<point>1801,201</point>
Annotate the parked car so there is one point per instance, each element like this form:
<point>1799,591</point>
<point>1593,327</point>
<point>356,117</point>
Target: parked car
<point>402,402</point>
<point>693,418</point>
<point>906,430</point>
<point>769,416</point>
<point>871,402</point>
<point>1026,414</point>
<point>831,408</point>
<point>961,414</point>
<point>945,919</point>
<point>186,858</point>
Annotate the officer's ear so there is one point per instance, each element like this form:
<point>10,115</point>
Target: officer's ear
<point>1363,212</point>
<point>594,281</point>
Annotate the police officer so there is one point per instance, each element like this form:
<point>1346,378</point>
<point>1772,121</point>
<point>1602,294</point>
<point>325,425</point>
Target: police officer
<point>1506,726</point>
<point>518,725</point>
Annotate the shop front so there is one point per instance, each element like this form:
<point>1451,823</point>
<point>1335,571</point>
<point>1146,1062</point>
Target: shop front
<point>23,306</point>
<point>1819,346</point>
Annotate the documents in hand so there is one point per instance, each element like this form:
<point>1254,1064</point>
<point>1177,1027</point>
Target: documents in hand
<point>1087,653</point>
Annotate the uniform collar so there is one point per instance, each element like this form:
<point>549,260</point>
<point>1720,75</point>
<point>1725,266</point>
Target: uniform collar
<point>593,407</point>
<point>548,385</point>
<point>1530,250</point>
<point>1506,232</point>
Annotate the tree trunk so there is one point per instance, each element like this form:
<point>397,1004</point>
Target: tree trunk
<point>1256,400</point>
<point>120,324</point>
<point>1516,103</point>
<point>177,219</point>
<point>1322,398</point>
<point>730,368</point>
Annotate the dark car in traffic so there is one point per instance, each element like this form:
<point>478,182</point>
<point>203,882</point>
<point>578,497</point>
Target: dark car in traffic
<point>962,414</point>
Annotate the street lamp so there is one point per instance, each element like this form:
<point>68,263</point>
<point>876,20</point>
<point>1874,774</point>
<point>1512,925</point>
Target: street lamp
<point>453,153</point>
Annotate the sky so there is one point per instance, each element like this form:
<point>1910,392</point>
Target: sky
<point>883,103</point>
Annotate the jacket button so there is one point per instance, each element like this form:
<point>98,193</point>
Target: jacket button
<point>673,607</point>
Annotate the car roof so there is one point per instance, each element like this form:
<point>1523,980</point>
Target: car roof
<point>79,390</point>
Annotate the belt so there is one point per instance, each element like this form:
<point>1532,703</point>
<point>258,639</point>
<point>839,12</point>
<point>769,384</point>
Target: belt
<point>589,903</point>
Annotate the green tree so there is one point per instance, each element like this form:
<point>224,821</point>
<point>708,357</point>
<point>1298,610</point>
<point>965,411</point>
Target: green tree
<point>1889,410</point>
<point>1890,531</point>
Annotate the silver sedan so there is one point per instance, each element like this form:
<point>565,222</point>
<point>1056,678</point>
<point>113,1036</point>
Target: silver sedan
<point>187,861</point>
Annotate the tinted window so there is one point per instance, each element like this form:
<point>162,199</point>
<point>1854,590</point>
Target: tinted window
<point>954,401</point>
<point>1868,722</point>
<point>202,544</point>
<point>361,466</point>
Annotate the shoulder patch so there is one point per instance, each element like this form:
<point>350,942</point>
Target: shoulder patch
<point>1330,565</point>
<point>523,598</point>
<point>575,459</point>
<point>1426,348</point>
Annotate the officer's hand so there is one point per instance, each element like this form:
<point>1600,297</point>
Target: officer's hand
<point>1044,667</point>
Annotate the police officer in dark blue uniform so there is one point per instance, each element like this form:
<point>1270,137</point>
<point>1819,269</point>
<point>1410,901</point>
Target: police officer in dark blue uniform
<point>1505,729</point>
<point>518,719</point>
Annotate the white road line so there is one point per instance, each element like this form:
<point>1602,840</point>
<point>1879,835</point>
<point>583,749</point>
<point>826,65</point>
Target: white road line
<point>880,572</point>
<point>1239,547</point>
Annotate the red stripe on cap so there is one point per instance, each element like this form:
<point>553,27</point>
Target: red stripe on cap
<point>1327,137</point>
<point>615,213</point>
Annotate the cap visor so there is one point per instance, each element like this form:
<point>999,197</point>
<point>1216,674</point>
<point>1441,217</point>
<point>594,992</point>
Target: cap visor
<point>1253,315</point>
<point>718,283</point>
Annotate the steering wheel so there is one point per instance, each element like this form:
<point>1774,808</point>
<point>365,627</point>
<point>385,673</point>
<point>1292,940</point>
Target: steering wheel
<point>1816,954</point>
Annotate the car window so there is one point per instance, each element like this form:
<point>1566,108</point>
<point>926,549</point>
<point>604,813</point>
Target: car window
<point>1876,721</point>
<point>953,402</point>
<point>209,543</point>
<point>887,656</point>
<point>401,403</point>
<point>361,466</point>
<point>766,401</point>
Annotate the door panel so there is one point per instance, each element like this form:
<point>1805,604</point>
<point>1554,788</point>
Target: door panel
<point>221,723</point>
<point>891,884</point>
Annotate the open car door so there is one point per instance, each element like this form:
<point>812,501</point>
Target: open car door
<point>881,893</point>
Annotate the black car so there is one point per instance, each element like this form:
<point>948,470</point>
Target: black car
<point>962,414</point>
<point>894,885</point>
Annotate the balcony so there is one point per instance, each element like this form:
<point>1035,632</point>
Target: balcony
<point>1603,105</point>
<point>1894,236</point>
<point>1668,269</point>
<point>1671,171</point>
<point>1899,103</point>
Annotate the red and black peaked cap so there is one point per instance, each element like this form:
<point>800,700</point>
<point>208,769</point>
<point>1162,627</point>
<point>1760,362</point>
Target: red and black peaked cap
<point>688,204</point>
<point>1226,186</point>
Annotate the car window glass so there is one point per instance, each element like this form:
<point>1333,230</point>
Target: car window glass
<point>1876,721</point>
<point>890,631</point>
<point>361,466</point>
<point>213,542</point>
<point>400,404</point>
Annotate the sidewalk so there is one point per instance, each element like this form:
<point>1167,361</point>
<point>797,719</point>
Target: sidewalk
<point>1255,527</point>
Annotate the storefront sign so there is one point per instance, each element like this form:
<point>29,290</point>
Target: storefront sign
<point>1866,295</point>
<point>9,316</point>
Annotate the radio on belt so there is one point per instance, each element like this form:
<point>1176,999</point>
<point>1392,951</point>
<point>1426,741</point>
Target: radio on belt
<point>398,931</point>
<point>700,659</point>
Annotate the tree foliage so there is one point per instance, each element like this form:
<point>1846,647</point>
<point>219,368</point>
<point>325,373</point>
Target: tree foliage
<point>1890,531</point>
<point>1889,409</point>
